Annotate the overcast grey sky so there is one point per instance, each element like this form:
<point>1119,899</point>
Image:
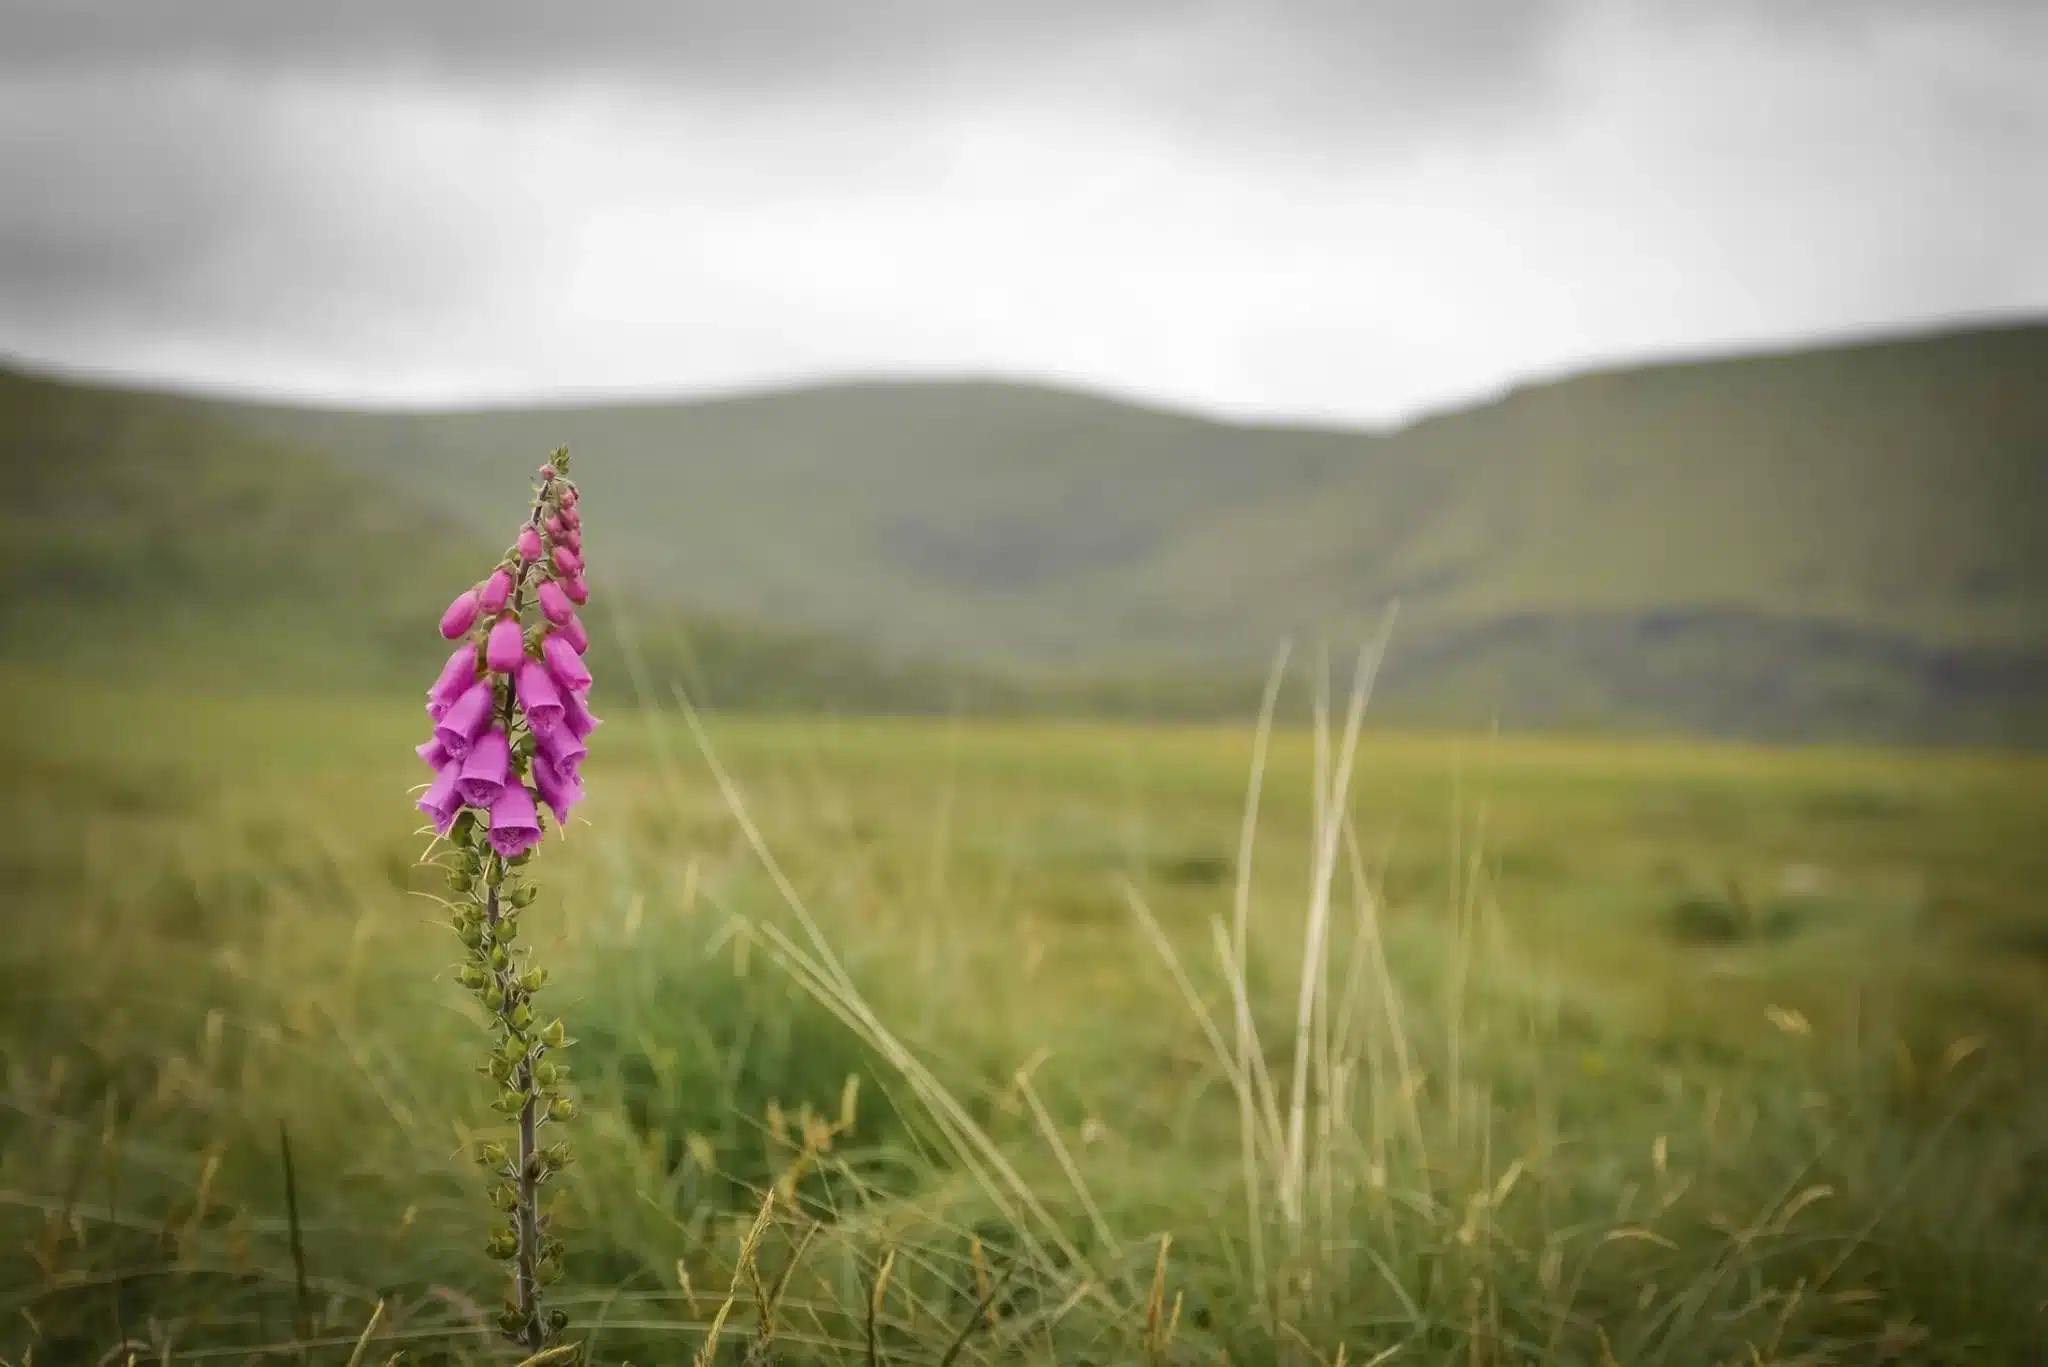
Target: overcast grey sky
<point>1307,208</point>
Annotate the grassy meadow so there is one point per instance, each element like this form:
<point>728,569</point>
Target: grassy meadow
<point>964,1041</point>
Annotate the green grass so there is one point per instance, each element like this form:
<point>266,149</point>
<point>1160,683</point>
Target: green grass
<point>1629,1053</point>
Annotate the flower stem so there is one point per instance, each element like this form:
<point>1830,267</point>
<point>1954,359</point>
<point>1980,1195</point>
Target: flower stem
<point>526,1216</point>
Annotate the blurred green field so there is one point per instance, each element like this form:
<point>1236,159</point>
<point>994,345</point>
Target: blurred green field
<point>1625,1054</point>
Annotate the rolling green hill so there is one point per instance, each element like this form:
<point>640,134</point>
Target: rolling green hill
<point>1844,542</point>
<point>155,537</point>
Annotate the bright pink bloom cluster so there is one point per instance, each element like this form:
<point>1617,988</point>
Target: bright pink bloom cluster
<point>511,708</point>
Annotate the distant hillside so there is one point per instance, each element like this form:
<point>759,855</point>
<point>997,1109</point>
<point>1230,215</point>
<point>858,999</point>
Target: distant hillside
<point>153,536</point>
<point>1843,542</point>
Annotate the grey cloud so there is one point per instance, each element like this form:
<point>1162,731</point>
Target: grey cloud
<point>1205,60</point>
<point>750,43</point>
<point>765,41</point>
<point>137,206</point>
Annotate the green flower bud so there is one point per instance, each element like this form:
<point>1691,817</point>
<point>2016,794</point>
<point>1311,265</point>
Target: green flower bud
<point>458,880</point>
<point>513,1049</point>
<point>472,935</point>
<point>520,860</point>
<point>545,1073</point>
<point>523,898</point>
<point>499,958</point>
<point>521,1017</point>
<point>500,1070</point>
<point>503,1245</point>
<point>553,1037</point>
<point>561,1108</point>
<point>492,1155</point>
<point>506,1197</point>
<point>549,1272</point>
<point>535,979</point>
<point>465,822</point>
<point>509,1102</point>
<point>558,1320</point>
<point>511,1321</point>
<point>474,976</point>
<point>558,1156</point>
<point>508,930</point>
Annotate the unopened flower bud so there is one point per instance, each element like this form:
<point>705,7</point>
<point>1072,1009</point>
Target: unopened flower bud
<point>554,602</point>
<point>574,587</point>
<point>506,646</point>
<point>496,592</point>
<point>567,561</point>
<point>529,544</point>
<point>547,471</point>
<point>572,631</point>
<point>460,615</point>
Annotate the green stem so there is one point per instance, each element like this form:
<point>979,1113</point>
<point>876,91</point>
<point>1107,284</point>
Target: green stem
<point>526,1216</point>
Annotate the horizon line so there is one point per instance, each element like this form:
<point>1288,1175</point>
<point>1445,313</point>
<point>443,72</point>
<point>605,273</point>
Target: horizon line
<point>160,385</point>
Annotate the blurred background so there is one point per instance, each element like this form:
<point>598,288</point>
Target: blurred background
<point>1607,445</point>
